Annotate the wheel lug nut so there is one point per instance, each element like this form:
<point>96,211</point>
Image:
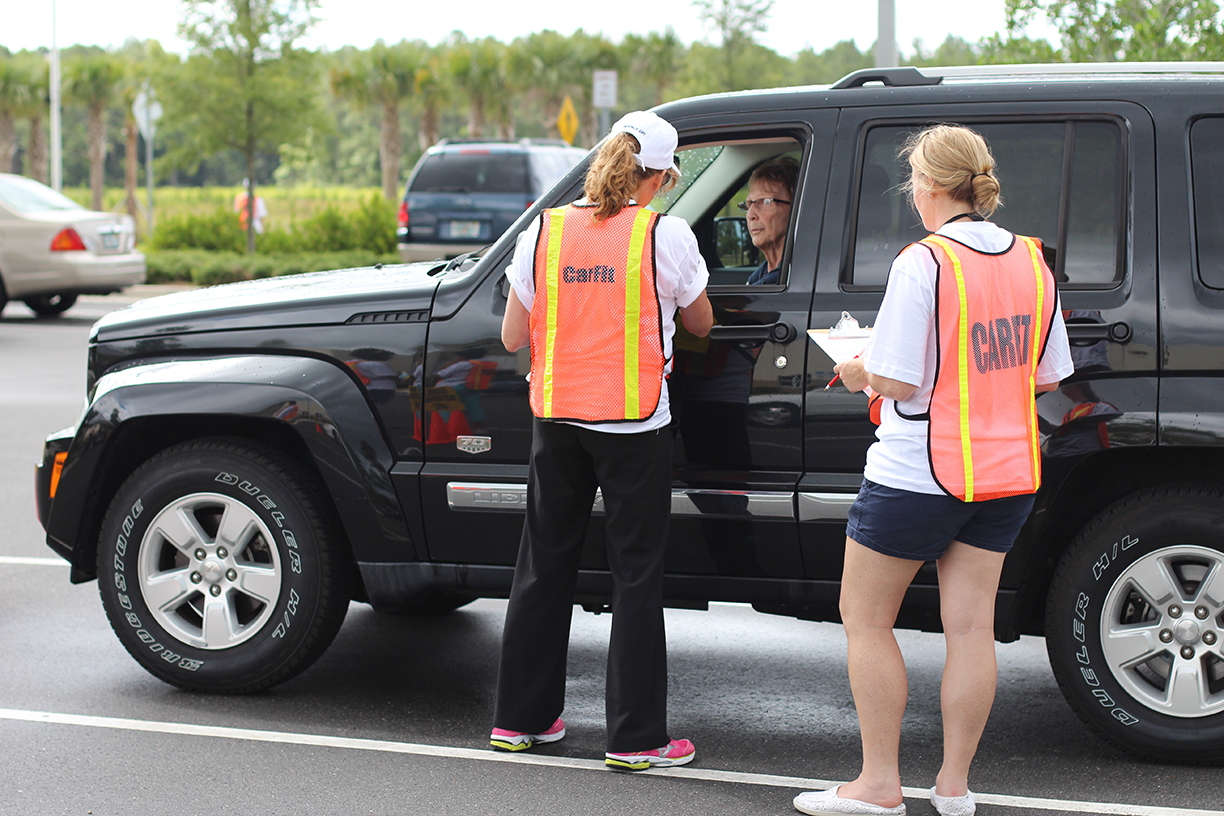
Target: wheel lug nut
<point>1186,651</point>
<point>200,554</point>
<point>196,577</point>
<point>216,590</point>
<point>232,575</point>
<point>1209,638</point>
<point>1175,611</point>
<point>1201,612</point>
<point>1166,635</point>
<point>222,552</point>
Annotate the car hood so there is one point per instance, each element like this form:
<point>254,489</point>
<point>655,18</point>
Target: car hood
<point>319,298</point>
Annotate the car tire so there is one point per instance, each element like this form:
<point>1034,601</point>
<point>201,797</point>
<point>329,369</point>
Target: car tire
<point>220,567</point>
<point>1134,620</point>
<point>52,305</point>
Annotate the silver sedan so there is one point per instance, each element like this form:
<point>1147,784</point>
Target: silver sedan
<point>53,249</point>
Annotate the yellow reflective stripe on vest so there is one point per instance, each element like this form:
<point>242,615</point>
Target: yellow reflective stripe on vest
<point>1034,443</point>
<point>552,274</point>
<point>962,363</point>
<point>633,312</point>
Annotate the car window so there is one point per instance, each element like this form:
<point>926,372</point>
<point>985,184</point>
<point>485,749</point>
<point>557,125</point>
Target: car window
<point>28,196</point>
<point>549,165</point>
<point>714,178</point>
<point>1062,182</point>
<point>474,170</point>
<point>1207,170</point>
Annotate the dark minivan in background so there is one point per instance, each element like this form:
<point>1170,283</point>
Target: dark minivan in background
<point>464,195</point>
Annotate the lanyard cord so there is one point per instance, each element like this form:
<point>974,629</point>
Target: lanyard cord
<point>970,215</point>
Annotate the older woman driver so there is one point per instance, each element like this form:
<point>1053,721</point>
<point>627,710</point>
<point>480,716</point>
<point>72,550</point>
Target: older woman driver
<point>968,332</point>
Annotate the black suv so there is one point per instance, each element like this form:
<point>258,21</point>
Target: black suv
<point>462,196</point>
<point>253,456</point>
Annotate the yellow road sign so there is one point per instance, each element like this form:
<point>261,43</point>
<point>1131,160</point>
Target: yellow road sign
<point>567,121</point>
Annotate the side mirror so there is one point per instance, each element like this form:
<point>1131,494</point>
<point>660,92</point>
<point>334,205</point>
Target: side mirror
<point>733,243</point>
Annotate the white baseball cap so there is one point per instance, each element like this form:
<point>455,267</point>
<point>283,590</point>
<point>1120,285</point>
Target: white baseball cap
<point>656,136</point>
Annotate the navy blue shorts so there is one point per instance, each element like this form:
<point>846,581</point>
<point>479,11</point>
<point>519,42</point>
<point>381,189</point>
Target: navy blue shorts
<point>921,526</point>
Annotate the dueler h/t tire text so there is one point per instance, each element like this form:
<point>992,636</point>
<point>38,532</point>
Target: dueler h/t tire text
<point>220,569</point>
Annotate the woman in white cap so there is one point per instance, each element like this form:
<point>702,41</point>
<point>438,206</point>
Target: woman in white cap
<point>594,289</point>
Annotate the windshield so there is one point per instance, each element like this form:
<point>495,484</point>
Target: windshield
<point>29,196</point>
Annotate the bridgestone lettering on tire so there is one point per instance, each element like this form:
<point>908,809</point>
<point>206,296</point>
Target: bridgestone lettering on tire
<point>219,567</point>
<point>1134,622</point>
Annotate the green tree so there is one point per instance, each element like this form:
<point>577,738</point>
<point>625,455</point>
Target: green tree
<point>478,68</point>
<point>14,96</point>
<point>1113,30</point>
<point>244,86</point>
<point>35,109</point>
<point>433,94</point>
<point>656,58</point>
<point>547,59</point>
<point>92,81</point>
<point>384,77</point>
<point>830,65</point>
<point>737,23</point>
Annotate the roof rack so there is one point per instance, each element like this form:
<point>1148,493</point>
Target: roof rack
<point>892,77</point>
<point>909,76</point>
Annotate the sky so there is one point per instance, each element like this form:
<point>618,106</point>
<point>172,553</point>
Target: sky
<point>794,24</point>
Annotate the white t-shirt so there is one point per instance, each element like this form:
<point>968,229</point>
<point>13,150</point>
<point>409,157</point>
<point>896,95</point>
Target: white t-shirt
<point>900,459</point>
<point>680,276</point>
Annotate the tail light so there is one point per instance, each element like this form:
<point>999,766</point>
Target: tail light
<point>67,240</point>
<point>403,215</point>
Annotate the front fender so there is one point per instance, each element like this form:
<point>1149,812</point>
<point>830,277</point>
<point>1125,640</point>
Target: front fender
<point>140,409</point>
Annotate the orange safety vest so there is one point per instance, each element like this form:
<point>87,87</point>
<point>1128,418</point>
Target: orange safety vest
<point>993,316</point>
<point>596,324</point>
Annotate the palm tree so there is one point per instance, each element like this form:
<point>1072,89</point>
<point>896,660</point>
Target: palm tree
<point>548,59</point>
<point>383,76</point>
<point>35,110</point>
<point>656,58</point>
<point>14,96</point>
<point>93,81</point>
<point>479,69</point>
<point>433,93</point>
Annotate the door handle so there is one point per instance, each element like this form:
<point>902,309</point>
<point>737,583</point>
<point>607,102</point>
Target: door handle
<point>1086,334</point>
<point>774,332</point>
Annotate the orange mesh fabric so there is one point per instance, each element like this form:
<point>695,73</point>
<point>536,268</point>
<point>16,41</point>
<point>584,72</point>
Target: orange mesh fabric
<point>596,327</point>
<point>993,314</point>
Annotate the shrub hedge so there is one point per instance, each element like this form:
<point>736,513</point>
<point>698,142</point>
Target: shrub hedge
<point>205,268</point>
<point>370,227</point>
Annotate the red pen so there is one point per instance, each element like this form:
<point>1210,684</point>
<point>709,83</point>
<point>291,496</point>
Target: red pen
<point>837,377</point>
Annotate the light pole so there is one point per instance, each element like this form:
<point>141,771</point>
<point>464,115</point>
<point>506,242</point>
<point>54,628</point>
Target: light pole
<point>886,37</point>
<point>57,152</point>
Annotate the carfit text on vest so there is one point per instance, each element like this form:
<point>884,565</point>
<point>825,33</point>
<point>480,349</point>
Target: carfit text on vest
<point>596,274</point>
<point>1001,343</point>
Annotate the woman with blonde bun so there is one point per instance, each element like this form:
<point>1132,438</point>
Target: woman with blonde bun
<point>968,333</point>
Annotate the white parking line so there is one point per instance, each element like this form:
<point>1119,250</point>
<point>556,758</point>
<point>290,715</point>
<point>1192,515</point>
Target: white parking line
<point>34,562</point>
<point>486,755</point>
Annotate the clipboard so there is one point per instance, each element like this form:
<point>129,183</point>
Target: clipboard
<point>840,349</point>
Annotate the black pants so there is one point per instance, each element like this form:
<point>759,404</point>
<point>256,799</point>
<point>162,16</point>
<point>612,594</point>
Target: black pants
<point>634,473</point>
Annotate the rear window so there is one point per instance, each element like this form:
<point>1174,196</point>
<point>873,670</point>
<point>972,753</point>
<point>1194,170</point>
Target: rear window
<point>1063,182</point>
<point>549,165</point>
<point>1207,167</point>
<point>476,171</point>
<point>28,196</point>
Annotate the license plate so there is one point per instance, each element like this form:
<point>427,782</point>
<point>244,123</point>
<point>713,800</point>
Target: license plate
<point>465,229</point>
<point>110,240</point>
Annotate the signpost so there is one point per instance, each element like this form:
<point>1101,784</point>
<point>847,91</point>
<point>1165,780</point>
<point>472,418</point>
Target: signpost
<point>567,121</point>
<point>603,97</point>
<point>147,111</point>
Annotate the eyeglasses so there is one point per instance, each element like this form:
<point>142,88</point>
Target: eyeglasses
<point>748,204</point>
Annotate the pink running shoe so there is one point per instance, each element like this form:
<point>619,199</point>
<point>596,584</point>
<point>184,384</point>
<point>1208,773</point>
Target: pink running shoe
<point>676,752</point>
<point>504,740</point>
